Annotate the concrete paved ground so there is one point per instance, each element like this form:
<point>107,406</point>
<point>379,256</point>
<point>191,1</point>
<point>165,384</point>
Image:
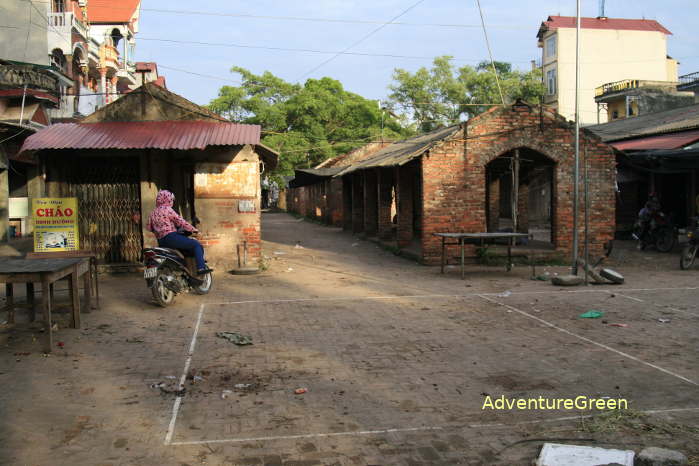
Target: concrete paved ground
<point>397,360</point>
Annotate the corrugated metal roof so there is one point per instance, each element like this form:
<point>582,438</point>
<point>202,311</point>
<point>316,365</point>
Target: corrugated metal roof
<point>179,135</point>
<point>664,141</point>
<point>623,24</point>
<point>649,124</point>
<point>402,152</point>
<point>307,176</point>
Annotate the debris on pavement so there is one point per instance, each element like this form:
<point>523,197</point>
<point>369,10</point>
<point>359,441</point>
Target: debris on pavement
<point>592,314</point>
<point>242,386</point>
<point>354,245</point>
<point>169,389</point>
<point>663,320</point>
<point>619,325</point>
<point>556,454</point>
<point>226,393</point>
<point>300,391</point>
<point>279,253</point>
<point>567,280</point>
<point>504,294</point>
<point>652,456</point>
<point>298,246</point>
<point>235,338</point>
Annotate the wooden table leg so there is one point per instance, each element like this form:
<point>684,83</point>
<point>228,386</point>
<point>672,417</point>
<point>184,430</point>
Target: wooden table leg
<point>97,284</point>
<point>87,286</point>
<point>509,255</point>
<point>74,297</point>
<point>443,253</point>
<point>46,307</point>
<point>462,243</point>
<point>31,301</point>
<point>10,303</point>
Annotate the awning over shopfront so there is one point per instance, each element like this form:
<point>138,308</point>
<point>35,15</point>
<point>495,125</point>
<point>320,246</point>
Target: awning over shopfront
<point>662,141</point>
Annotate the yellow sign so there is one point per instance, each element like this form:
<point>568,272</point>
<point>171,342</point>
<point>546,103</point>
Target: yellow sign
<point>55,224</point>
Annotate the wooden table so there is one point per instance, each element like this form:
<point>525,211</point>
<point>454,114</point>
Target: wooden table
<point>46,272</point>
<point>481,239</point>
<point>91,279</point>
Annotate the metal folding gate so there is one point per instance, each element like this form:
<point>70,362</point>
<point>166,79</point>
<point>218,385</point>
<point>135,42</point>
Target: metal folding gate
<point>109,207</point>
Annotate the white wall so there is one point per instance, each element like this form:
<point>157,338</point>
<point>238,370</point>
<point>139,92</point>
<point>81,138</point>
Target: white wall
<point>606,56</point>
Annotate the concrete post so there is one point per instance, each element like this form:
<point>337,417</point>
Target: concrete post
<point>347,202</point>
<point>149,190</point>
<point>35,189</point>
<point>4,204</point>
<point>371,192</point>
<point>357,203</point>
<point>384,220</point>
<point>404,193</point>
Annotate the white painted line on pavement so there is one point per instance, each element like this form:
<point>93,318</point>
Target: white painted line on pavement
<point>300,436</point>
<point>183,378</point>
<point>424,296</point>
<point>411,429</point>
<point>682,311</point>
<point>571,418</point>
<point>601,345</point>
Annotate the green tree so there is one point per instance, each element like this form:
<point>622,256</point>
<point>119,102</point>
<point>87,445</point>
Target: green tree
<point>305,123</point>
<point>443,95</point>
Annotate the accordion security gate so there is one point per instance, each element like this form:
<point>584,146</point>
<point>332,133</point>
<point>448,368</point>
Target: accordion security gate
<point>109,206</point>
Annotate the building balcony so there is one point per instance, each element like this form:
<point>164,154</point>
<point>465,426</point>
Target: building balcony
<point>614,89</point>
<point>109,57</point>
<point>60,30</point>
<point>689,82</point>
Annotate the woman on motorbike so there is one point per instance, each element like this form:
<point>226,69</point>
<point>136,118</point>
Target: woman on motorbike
<point>164,223</point>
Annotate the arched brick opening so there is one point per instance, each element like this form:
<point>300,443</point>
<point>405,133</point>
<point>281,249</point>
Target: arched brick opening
<point>519,187</point>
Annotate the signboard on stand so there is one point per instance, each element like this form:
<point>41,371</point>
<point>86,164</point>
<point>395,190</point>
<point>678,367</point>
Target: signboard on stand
<point>55,224</point>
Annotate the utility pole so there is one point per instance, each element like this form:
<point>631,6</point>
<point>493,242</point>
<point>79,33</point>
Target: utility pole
<point>576,170</point>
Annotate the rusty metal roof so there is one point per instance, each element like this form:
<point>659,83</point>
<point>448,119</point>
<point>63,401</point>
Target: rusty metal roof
<point>178,135</point>
<point>401,152</point>
<point>663,141</point>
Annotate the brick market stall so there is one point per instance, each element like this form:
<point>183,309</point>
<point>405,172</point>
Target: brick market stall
<point>315,192</point>
<point>510,168</point>
<point>116,166</point>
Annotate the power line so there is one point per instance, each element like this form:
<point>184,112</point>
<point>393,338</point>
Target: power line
<point>303,18</point>
<point>365,37</point>
<point>286,49</point>
<point>487,43</point>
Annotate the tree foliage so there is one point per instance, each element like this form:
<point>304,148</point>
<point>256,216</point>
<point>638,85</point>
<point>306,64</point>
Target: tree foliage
<point>305,123</point>
<point>444,95</point>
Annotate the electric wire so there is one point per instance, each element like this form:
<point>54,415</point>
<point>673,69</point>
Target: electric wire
<point>365,37</point>
<point>487,43</point>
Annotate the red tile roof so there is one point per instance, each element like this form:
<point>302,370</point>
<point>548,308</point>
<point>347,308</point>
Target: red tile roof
<point>555,22</point>
<point>111,11</point>
<point>663,141</point>
<point>178,135</point>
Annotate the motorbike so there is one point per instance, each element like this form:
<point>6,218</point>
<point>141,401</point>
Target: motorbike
<point>689,252</point>
<point>168,273</point>
<point>660,232</point>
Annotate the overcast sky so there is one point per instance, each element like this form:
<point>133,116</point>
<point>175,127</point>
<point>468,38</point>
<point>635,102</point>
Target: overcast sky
<point>512,27</point>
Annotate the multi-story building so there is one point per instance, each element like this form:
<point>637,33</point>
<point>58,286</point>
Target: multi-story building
<point>611,50</point>
<point>89,44</point>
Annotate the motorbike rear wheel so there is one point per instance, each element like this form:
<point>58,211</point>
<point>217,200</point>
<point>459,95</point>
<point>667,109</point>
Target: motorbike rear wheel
<point>665,240</point>
<point>689,253</point>
<point>205,287</point>
<point>162,294</point>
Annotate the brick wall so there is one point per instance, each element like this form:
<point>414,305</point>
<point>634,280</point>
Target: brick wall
<point>454,180</point>
<point>227,201</point>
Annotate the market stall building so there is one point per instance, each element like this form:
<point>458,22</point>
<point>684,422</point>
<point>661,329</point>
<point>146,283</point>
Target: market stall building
<point>509,169</point>
<point>116,161</point>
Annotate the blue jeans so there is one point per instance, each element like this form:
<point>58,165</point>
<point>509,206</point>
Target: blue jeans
<point>189,246</point>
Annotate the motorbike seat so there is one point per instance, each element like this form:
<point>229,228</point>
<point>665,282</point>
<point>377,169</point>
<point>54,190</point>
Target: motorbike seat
<point>169,251</point>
